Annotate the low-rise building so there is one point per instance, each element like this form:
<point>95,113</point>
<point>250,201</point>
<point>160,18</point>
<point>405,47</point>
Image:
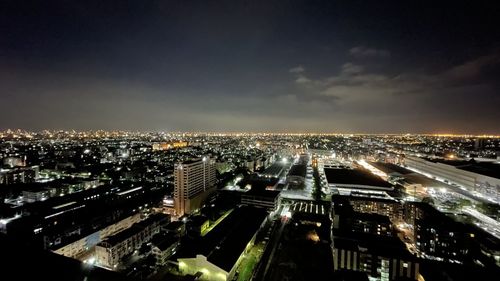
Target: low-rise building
<point>216,256</point>
<point>164,247</point>
<point>269,199</point>
<point>110,251</point>
<point>197,225</point>
<point>78,247</point>
<point>34,195</point>
<point>176,228</point>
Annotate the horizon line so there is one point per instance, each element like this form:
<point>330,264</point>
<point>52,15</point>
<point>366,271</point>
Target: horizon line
<point>93,131</point>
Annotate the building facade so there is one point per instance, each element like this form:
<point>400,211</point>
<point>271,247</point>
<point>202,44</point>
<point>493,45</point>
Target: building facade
<point>73,250</point>
<point>193,180</point>
<point>110,251</point>
<point>379,266</point>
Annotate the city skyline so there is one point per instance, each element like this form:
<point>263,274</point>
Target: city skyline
<point>250,66</point>
<point>150,206</point>
<point>98,132</point>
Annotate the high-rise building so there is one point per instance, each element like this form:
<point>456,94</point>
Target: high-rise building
<point>194,180</point>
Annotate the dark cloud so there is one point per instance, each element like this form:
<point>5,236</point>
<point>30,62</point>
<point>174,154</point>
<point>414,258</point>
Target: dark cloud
<point>361,51</point>
<point>427,101</point>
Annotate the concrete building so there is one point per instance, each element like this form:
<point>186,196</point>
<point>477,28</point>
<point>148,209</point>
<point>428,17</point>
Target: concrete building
<point>382,206</point>
<point>74,249</point>
<point>217,255</point>
<point>197,225</point>
<point>374,224</point>
<point>483,178</point>
<point>19,175</point>
<point>194,180</point>
<point>33,195</point>
<point>439,235</point>
<point>345,180</point>
<point>110,251</point>
<point>382,258</point>
<point>164,247</point>
<point>269,199</point>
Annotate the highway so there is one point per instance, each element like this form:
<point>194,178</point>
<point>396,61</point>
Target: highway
<point>488,224</point>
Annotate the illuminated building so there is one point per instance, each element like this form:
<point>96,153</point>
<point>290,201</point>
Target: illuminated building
<point>80,246</point>
<point>194,180</point>
<point>386,207</point>
<point>438,235</point>
<point>169,145</point>
<point>382,258</point>
<point>483,178</point>
<point>217,255</point>
<point>346,180</point>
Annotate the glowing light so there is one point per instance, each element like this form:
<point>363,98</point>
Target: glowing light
<point>221,275</point>
<point>129,191</point>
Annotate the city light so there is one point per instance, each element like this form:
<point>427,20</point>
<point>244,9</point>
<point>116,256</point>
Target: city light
<point>302,205</point>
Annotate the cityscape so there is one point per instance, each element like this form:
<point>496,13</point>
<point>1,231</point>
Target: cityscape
<point>249,140</point>
<point>240,206</point>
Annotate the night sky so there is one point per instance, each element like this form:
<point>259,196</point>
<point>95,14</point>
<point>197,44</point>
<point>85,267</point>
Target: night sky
<point>255,66</point>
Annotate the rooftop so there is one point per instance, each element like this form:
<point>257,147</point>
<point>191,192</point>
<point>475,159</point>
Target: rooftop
<point>354,177</point>
<point>489,169</point>
<point>272,194</point>
<point>197,220</point>
<point>380,245</point>
<point>191,161</point>
<point>415,178</point>
<point>224,244</point>
<point>163,242</point>
<point>274,170</point>
<point>175,225</point>
<point>298,170</point>
<point>390,168</point>
<point>134,229</point>
<point>122,235</point>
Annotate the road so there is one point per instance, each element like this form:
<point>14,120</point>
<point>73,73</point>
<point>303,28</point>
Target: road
<point>488,224</point>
